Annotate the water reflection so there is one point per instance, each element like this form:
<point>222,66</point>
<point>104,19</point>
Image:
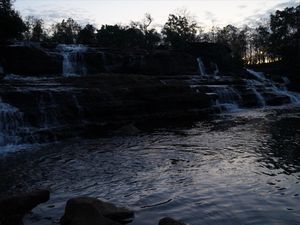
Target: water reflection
<point>238,169</point>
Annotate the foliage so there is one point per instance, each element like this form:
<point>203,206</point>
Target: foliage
<point>179,30</point>
<point>11,24</point>
<point>151,37</point>
<point>234,38</point>
<point>137,35</point>
<point>285,36</point>
<point>35,29</point>
<point>279,39</point>
<point>66,32</point>
<point>87,35</point>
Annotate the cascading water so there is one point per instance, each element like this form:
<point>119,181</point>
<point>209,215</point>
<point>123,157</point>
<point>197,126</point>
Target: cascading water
<point>228,98</point>
<point>217,71</point>
<point>269,84</point>
<point>257,75</point>
<point>201,67</point>
<point>294,97</point>
<point>252,85</point>
<point>11,121</point>
<point>73,62</point>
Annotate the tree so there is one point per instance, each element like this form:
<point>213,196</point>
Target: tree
<point>35,29</point>
<point>38,30</point>
<point>179,30</point>
<point>261,44</point>
<point>120,37</point>
<point>235,39</point>
<point>151,36</point>
<point>11,24</point>
<point>285,34</point>
<point>87,35</point>
<point>66,32</point>
<point>110,35</point>
<point>144,24</point>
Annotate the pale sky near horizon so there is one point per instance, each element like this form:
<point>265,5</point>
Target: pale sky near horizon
<point>206,12</point>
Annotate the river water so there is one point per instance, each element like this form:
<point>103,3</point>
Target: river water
<point>239,168</point>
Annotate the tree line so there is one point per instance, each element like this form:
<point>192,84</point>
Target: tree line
<point>278,39</point>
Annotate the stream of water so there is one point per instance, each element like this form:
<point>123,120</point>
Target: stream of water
<point>240,168</point>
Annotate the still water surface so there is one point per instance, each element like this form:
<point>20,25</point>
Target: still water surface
<point>242,168</point>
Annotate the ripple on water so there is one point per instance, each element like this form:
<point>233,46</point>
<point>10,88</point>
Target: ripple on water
<point>243,169</point>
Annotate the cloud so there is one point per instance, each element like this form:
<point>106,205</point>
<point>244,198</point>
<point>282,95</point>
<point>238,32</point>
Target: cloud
<point>262,16</point>
<point>283,6</point>
<point>209,16</point>
<point>242,6</point>
<point>53,15</point>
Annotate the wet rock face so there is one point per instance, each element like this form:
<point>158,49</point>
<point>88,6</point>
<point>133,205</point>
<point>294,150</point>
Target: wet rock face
<point>30,61</point>
<point>170,221</point>
<point>92,211</point>
<point>154,63</point>
<point>56,109</point>
<point>13,209</point>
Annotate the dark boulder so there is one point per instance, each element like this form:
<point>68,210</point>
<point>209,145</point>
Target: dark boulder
<point>30,61</point>
<point>275,99</point>
<point>13,209</point>
<point>92,211</point>
<point>170,221</point>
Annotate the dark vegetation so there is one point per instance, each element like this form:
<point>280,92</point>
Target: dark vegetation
<point>277,40</point>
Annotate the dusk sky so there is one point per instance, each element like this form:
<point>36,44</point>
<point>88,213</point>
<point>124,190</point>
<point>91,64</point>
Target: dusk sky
<point>97,12</point>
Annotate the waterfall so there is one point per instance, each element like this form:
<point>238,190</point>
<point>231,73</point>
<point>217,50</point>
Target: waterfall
<point>252,85</point>
<point>294,97</point>
<point>228,98</point>
<point>73,62</point>
<point>11,121</point>
<point>201,67</point>
<point>270,84</point>
<point>217,71</point>
<point>257,75</point>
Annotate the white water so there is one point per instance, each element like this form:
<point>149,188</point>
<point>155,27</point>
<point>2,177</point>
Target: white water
<point>73,63</point>
<point>263,81</point>
<point>228,98</point>
<point>294,97</point>
<point>217,71</point>
<point>252,84</point>
<point>11,121</point>
<point>201,67</point>
<point>258,75</point>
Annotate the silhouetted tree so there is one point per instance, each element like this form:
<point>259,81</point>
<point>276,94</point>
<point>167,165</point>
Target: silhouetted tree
<point>285,34</point>
<point>38,30</point>
<point>261,44</point>
<point>11,24</point>
<point>35,29</point>
<point>121,37</point>
<point>179,30</point>
<point>110,35</point>
<point>151,37</point>
<point>235,39</point>
<point>87,35</point>
<point>66,32</point>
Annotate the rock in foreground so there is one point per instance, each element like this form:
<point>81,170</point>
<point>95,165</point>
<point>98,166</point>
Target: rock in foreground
<point>170,221</point>
<point>92,211</point>
<point>13,209</point>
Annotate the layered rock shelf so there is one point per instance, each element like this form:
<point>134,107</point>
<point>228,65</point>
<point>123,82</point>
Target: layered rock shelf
<point>66,91</point>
